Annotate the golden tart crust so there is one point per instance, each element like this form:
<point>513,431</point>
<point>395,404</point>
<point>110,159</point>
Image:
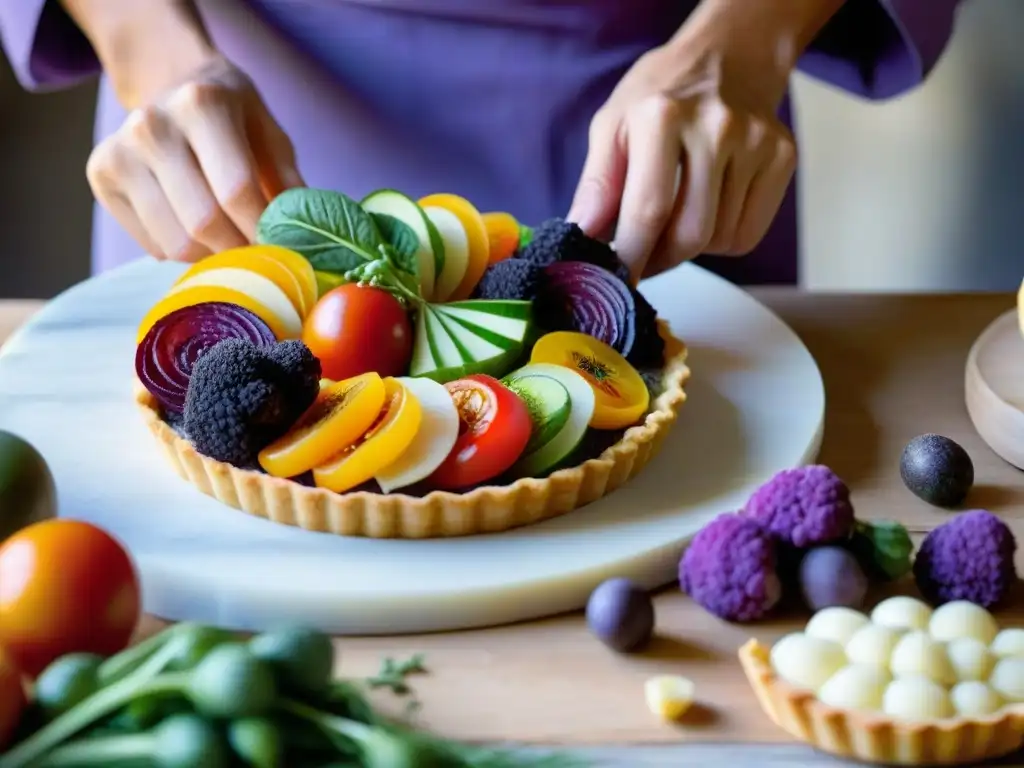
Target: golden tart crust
<point>439,514</point>
<point>877,738</point>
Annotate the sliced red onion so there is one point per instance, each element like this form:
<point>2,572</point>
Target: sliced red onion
<point>576,296</point>
<point>165,357</point>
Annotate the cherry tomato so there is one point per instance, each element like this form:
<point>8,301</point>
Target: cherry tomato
<point>494,427</point>
<point>13,700</point>
<point>355,329</point>
<point>65,586</point>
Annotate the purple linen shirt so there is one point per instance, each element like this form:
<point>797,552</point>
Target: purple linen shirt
<point>490,100</point>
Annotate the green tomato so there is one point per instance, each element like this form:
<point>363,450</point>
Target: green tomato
<point>195,643</point>
<point>302,659</point>
<point>232,683</point>
<point>27,490</point>
<point>257,741</point>
<point>66,682</point>
<point>187,741</point>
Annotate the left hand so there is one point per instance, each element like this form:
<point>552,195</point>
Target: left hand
<point>688,157</point>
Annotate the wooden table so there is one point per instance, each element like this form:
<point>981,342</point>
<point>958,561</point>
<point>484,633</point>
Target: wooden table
<point>893,368</point>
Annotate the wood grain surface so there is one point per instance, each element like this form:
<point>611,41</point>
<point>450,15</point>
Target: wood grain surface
<point>893,368</point>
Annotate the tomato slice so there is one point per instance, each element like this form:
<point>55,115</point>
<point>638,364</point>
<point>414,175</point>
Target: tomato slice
<point>342,413</point>
<point>381,446</point>
<point>494,427</point>
<point>620,395</point>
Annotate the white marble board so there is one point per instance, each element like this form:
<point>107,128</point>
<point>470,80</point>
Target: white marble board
<point>756,406</point>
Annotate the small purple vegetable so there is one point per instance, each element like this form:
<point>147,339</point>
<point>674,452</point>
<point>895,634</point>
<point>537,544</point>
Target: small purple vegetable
<point>621,615</point>
<point>832,576</point>
<point>970,557</point>
<point>729,569</point>
<point>803,507</point>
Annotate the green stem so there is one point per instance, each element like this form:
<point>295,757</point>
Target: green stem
<point>107,750</point>
<point>104,702</point>
<point>125,662</point>
<point>352,729</point>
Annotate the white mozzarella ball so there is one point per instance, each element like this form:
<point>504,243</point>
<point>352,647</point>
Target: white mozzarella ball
<point>805,661</point>
<point>836,623</point>
<point>972,698</point>
<point>872,645</point>
<point>970,658</point>
<point>918,655</point>
<point>856,687</point>
<point>916,699</point>
<point>961,618</point>
<point>1009,642</point>
<point>902,612</point>
<point>1007,678</point>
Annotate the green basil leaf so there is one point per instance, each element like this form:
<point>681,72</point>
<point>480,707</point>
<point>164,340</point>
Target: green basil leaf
<point>330,229</point>
<point>402,239</point>
<point>885,547</point>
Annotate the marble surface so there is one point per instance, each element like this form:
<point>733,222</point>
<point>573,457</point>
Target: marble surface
<point>756,406</point>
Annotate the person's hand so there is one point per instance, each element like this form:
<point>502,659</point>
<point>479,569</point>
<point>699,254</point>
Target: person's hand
<point>686,157</point>
<point>189,173</point>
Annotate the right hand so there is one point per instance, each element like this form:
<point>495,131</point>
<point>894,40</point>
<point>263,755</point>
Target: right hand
<point>189,173</point>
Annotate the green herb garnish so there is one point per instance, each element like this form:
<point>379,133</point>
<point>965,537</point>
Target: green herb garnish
<point>884,547</point>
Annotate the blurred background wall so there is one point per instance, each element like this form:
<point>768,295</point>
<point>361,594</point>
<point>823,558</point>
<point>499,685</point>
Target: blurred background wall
<point>922,193</point>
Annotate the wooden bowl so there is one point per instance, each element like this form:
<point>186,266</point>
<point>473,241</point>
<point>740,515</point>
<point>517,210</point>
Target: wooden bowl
<point>994,386</point>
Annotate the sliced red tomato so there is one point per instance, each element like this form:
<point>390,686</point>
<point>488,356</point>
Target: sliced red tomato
<point>494,427</point>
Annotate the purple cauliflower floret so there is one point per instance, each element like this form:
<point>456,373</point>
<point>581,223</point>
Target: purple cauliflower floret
<point>803,507</point>
<point>729,569</point>
<point>968,558</point>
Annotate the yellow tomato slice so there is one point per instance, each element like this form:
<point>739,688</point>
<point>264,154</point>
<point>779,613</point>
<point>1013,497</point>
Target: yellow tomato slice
<point>620,395</point>
<point>503,234</point>
<point>388,439</point>
<point>186,296</point>
<point>342,413</point>
<point>299,266</point>
<point>251,259</point>
<point>476,235</point>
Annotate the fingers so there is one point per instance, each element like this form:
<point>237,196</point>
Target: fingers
<point>275,154</point>
<point>693,217</point>
<point>652,176</point>
<point>193,173</point>
<point>765,196</point>
<point>214,124</point>
<point>127,188</point>
<point>162,146</point>
<point>735,186</point>
<point>595,205</point>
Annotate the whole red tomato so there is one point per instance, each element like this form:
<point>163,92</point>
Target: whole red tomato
<point>355,329</point>
<point>12,698</point>
<point>65,586</point>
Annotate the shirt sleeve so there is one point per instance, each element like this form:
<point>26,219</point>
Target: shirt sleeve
<point>46,48</point>
<point>881,48</point>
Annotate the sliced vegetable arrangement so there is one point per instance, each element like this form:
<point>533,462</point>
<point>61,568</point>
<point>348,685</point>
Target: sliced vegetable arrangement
<point>458,348</point>
<point>198,697</point>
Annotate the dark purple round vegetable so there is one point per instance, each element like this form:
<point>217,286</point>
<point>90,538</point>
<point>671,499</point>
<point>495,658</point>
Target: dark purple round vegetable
<point>832,576</point>
<point>621,615</point>
<point>165,357</point>
<point>576,296</point>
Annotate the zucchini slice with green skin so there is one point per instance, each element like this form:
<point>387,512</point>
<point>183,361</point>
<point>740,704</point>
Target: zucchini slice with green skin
<point>549,456</point>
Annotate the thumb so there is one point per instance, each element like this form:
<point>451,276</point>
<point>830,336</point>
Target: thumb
<point>275,155</point>
<point>595,205</point>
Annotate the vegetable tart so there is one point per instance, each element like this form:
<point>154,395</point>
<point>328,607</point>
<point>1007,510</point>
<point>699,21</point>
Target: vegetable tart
<point>401,368</point>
